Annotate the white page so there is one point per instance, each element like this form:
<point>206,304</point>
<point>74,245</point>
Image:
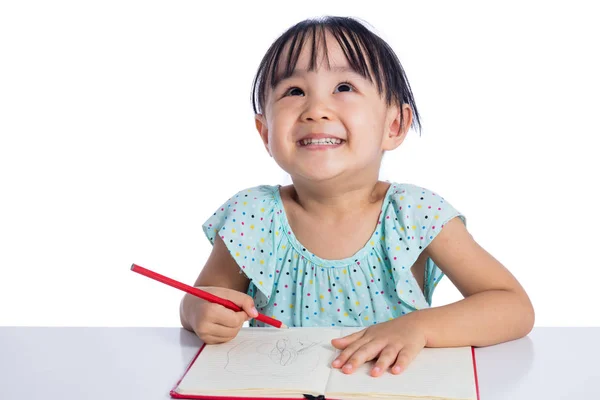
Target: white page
<point>445,373</point>
<point>294,359</point>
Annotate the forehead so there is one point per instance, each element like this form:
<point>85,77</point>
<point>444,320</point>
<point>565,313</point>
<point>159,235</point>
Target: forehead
<point>313,53</point>
<point>318,50</point>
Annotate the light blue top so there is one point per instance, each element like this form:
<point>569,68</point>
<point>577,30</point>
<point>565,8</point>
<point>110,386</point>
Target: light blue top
<point>299,288</point>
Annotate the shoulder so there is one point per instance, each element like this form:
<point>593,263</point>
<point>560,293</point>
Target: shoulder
<point>419,201</point>
<point>254,193</point>
<point>414,217</point>
<point>247,207</point>
<point>414,196</point>
<point>247,226</point>
<point>250,198</point>
<point>419,210</point>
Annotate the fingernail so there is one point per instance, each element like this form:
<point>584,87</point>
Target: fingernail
<point>254,312</point>
<point>377,370</point>
<point>336,363</point>
<point>348,367</point>
<point>396,369</point>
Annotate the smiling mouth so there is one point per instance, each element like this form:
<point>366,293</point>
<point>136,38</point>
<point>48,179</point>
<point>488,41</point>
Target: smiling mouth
<point>333,142</point>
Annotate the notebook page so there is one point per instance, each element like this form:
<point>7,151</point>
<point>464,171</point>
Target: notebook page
<point>444,373</point>
<point>294,360</point>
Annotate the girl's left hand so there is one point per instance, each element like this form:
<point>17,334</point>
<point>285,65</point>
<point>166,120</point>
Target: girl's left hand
<point>394,343</point>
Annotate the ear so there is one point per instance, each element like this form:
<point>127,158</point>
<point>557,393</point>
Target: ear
<point>396,130</point>
<point>263,130</point>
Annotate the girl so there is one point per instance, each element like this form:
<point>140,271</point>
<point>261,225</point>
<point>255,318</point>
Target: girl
<point>338,247</point>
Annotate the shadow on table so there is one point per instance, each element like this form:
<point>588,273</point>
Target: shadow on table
<point>512,362</point>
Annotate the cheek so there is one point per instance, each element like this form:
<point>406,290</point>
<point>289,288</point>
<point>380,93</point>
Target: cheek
<point>363,121</point>
<point>279,137</point>
<point>281,127</point>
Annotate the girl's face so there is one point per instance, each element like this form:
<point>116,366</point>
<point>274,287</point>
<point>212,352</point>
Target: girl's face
<point>331,102</point>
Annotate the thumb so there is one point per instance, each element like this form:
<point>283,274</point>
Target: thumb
<point>246,303</point>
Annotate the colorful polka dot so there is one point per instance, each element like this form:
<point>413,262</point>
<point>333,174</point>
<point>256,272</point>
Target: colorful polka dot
<point>375,285</point>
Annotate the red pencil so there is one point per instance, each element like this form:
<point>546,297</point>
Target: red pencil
<point>202,294</point>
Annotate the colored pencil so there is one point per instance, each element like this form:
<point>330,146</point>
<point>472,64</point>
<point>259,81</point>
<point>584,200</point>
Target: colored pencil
<point>203,294</point>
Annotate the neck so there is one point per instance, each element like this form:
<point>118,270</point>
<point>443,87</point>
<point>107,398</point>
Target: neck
<point>331,201</point>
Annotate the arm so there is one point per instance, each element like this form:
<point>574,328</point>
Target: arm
<point>495,308</point>
<point>220,270</point>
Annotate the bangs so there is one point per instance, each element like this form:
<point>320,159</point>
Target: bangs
<point>351,46</point>
<point>367,54</point>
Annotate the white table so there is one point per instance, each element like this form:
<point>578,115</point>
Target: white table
<point>145,363</point>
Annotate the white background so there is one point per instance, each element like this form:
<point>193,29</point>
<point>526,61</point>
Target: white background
<point>124,125</point>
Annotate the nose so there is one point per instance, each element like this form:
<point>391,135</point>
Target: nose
<point>316,110</point>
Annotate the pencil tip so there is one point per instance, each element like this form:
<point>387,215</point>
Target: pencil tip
<point>132,265</point>
<point>283,326</point>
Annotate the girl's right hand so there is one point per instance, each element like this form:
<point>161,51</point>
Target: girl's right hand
<point>214,323</point>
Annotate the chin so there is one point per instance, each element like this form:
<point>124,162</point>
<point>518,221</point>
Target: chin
<point>320,175</point>
<point>318,172</point>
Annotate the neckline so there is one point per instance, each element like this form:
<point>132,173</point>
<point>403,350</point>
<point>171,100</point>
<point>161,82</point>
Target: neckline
<point>323,262</point>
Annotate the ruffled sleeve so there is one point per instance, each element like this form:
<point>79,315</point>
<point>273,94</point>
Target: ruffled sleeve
<point>414,217</point>
<point>246,224</point>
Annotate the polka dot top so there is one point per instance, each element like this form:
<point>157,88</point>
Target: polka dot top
<point>301,289</point>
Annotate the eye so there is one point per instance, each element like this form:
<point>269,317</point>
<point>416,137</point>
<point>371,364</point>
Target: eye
<point>296,91</point>
<point>347,85</point>
<point>291,90</point>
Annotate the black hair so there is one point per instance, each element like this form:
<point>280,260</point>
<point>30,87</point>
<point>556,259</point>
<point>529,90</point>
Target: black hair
<point>353,37</point>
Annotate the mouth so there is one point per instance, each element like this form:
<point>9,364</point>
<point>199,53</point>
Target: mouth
<point>321,143</point>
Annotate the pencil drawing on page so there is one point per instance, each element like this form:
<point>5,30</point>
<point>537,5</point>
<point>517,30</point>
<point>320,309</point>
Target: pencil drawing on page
<point>282,356</point>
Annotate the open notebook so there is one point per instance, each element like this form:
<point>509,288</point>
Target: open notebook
<point>296,363</point>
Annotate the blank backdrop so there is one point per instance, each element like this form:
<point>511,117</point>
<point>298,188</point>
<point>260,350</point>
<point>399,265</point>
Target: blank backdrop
<point>125,124</point>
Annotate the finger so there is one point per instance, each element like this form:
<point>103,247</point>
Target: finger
<point>242,300</point>
<point>214,339</point>
<point>216,330</point>
<point>366,352</point>
<point>226,317</point>
<point>405,357</point>
<point>234,320</point>
<point>343,342</point>
<point>347,352</point>
<point>386,358</point>
<point>220,322</point>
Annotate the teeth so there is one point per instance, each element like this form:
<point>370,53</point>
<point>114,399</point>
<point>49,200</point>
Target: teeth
<point>321,141</point>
